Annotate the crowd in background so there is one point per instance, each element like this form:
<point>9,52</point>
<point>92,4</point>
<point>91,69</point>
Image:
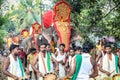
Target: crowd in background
<point>79,63</point>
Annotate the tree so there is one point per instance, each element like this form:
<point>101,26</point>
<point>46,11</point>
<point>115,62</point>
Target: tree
<point>3,20</point>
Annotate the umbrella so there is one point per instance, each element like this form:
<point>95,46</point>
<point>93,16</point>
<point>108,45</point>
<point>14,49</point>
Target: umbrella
<point>48,18</point>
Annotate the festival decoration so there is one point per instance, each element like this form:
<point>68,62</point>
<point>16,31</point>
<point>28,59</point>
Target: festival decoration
<point>36,29</point>
<point>53,45</point>
<point>16,39</point>
<point>62,22</point>
<point>9,42</point>
<point>24,33</point>
<point>48,18</point>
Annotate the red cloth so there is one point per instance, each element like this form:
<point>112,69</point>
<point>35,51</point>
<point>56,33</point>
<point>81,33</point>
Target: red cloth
<point>48,18</point>
<point>22,54</point>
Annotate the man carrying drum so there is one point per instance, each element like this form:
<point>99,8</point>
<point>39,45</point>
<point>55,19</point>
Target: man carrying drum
<point>13,67</point>
<point>45,63</point>
<point>109,64</point>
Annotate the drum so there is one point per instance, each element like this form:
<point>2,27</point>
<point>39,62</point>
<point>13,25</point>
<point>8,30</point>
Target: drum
<point>107,78</point>
<point>68,78</point>
<point>25,78</point>
<point>116,77</point>
<point>50,76</point>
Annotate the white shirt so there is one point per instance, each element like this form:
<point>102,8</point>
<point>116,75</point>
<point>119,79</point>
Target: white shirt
<point>85,68</point>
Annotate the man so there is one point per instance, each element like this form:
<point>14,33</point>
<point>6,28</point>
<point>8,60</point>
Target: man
<point>49,54</point>
<point>100,53</point>
<point>70,56</point>
<point>118,49</point>
<point>99,46</point>
<point>69,59</point>
<point>78,50</point>
<point>48,48</point>
<point>82,65</point>
<point>45,64</point>
<point>13,66</point>
<point>60,58</point>
<point>23,56</point>
<point>30,59</point>
<point>109,64</point>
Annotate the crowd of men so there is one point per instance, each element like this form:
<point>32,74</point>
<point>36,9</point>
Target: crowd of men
<point>76,64</point>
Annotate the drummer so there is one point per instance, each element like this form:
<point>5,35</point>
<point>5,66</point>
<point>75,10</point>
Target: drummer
<point>69,59</point>
<point>13,65</point>
<point>45,63</point>
<point>82,65</point>
<point>30,58</point>
<point>109,64</point>
<point>60,58</point>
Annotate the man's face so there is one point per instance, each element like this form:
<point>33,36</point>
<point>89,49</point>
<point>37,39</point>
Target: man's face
<point>118,50</point>
<point>72,52</point>
<point>77,52</point>
<point>108,50</point>
<point>43,48</point>
<point>16,51</point>
<point>48,48</point>
<point>33,52</point>
<point>62,48</point>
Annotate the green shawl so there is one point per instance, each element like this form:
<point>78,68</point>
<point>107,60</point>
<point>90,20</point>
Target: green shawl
<point>48,61</point>
<point>117,63</point>
<point>21,67</point>
<point>78,65</point>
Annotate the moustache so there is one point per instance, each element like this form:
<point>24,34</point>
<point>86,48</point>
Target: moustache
<point>16,54</point>
<point>43,51</point>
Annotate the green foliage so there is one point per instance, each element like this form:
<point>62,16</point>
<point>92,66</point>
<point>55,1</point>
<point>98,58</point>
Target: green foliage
<point>3,20</point>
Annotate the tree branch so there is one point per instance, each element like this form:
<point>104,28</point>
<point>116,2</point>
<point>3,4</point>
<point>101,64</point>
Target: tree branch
<point>112,9</point>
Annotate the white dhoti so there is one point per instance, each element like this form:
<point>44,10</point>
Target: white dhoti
<point>61,70</point>
<point>43,68</point>
<point>61,67</point>
<point>40,78</point>
<point>14,68</point>
<point>108,65</point>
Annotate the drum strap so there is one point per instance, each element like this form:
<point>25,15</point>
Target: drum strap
<point>43,62</point>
